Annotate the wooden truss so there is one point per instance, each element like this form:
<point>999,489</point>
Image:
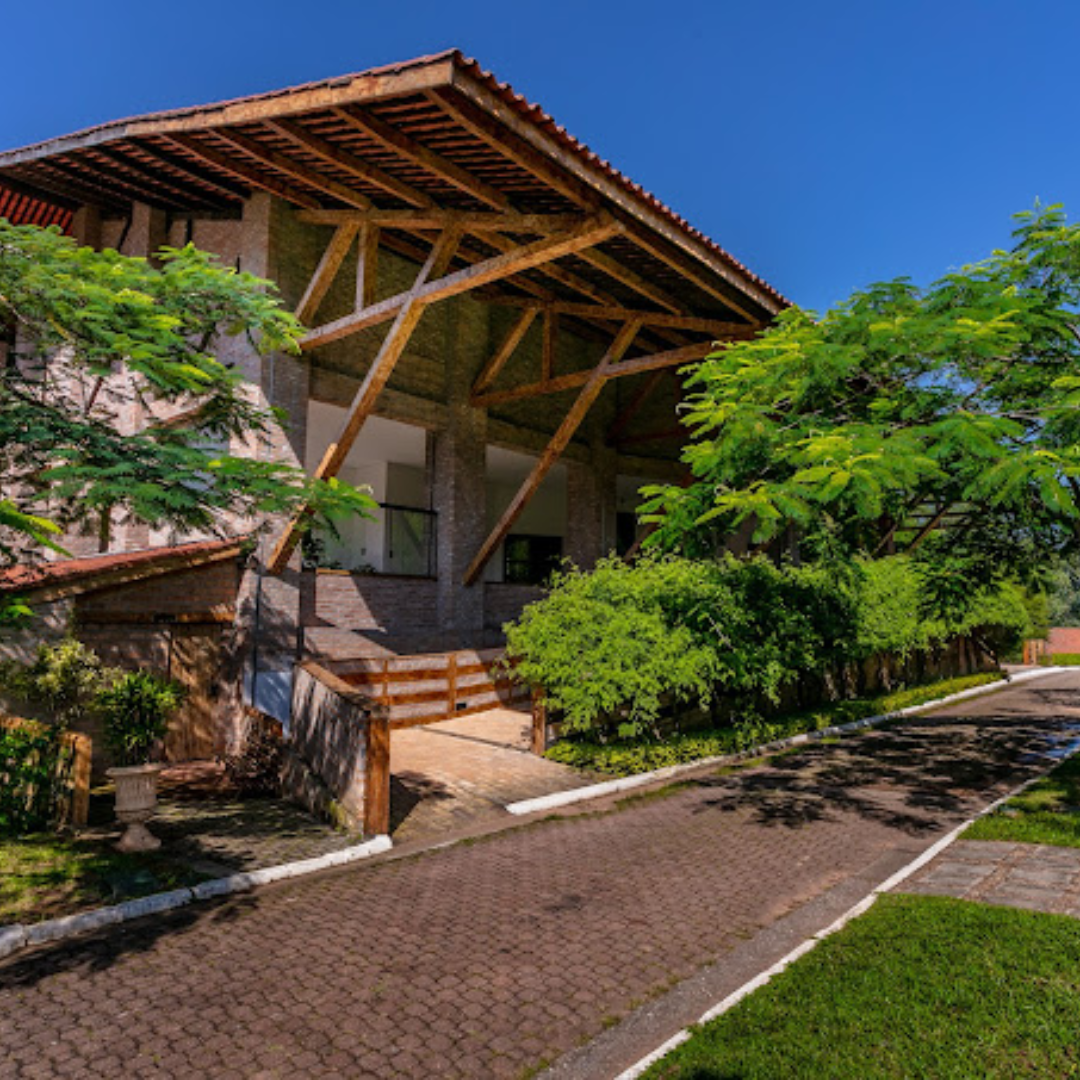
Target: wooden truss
<point>559,235</point>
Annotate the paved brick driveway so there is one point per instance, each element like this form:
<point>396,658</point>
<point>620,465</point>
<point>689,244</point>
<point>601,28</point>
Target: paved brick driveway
<point>484,959</point>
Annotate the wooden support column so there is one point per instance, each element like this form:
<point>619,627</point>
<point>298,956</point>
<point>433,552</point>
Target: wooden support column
<point>367,267</point>
<point>589,393</point>
<point>364,402</point>
<point>377,776</point>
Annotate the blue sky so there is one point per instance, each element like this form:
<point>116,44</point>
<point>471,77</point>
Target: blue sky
<point>826,144</point>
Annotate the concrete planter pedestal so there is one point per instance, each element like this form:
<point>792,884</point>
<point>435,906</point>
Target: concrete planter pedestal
<point>136,801</point>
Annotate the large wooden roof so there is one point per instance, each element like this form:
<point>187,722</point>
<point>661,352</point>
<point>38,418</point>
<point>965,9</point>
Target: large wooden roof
<point>435,133</point>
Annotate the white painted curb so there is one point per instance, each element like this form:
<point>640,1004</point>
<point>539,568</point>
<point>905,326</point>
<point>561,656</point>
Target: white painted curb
<point>864,905</point>
<point>626,783</point>
<point>18,936</point>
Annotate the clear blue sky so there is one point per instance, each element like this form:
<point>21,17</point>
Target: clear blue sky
<point>826,143</point>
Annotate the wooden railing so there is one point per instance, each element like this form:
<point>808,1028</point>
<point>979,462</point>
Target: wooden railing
<point>438,686</point>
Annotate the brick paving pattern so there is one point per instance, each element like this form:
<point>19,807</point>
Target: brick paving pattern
<point>1033,876</point>
<point>451,776</point>
<point>484,959</point>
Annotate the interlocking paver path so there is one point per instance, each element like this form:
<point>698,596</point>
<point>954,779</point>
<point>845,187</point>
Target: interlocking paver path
<point>482,959</point>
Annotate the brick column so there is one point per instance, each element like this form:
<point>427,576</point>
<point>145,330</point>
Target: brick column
<point>460,472</point>
<point>590,501</point>
<point>268,638</point>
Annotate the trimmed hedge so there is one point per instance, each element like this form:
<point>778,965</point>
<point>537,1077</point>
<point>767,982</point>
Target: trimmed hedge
<point>1062,659</point>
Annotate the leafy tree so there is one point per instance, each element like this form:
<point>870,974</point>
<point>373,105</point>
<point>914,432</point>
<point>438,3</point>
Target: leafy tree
<point>91,333</point>
<point>942,421</point>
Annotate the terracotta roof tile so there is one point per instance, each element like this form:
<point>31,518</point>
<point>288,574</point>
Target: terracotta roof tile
<point>66,571</point>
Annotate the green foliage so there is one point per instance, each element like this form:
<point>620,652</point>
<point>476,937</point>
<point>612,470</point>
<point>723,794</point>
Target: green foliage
<point>136,709</point>
<point>625,757</point>
<point>31,768</point>
<point>65,680</point>
<point>902,413</point>
<point>1063,659</point>
<point>99,332</point>
<point>624,640</point>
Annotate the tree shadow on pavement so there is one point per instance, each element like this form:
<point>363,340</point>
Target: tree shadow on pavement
<point>907,776</point>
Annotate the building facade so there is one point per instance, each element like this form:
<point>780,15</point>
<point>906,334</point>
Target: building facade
<point>496,323</point>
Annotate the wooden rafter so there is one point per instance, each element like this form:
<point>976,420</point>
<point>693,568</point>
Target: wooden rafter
<point>595,382</point>
<point>130,188</point>
<point>191,171</point>
<point>251,174</point>
<point>435,218</point>
<point>503,353</point>
<point>359,168</point>
<point>592,231</point>
<point>177,192</point>
<point>326,271</point>
<point>409,149</point>
<point>685,354</point>
<point>720,327</point>
<point>377,375</point>
<point>632,280</point>
<point>295,170</point>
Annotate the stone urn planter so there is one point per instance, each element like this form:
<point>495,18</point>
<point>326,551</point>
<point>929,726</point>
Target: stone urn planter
<point>136,801</point>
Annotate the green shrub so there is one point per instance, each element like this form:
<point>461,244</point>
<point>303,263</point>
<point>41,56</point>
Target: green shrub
<point>31,767</point>
<point>135,711</point>
<point>625,757</point>
<point>1063,659</point>
<point>619,643</point>
<point>65,680</point>
<point>623,639</point>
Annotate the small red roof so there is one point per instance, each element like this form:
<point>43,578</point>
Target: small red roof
<point>47,575</point>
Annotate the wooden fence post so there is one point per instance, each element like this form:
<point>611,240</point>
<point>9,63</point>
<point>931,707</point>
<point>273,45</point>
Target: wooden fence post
<point>451,684</point>
<point>539,723</point>
<point>377,776</point>
<point>82,749</point>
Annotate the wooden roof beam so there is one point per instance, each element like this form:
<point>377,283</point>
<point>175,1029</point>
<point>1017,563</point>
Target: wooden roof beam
<point>378,374</point>
<point>685,354</point>
<point>359,168</point>
<point>179,193</point>
<point>251,174</point>
<point>632,280</point>
<point>326,271</point>
<point>192,171</point>
<point>434,218</point>
<point>618,313</point>
<point>595,380</point>
<point>593,231</point>
<point>128,189</point>
<point>295,170</point>
<point>408,148</point>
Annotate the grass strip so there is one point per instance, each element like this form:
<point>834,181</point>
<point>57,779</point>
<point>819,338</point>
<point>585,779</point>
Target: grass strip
<point>43,876</point>
<point>1047,813</point>
<point>625,757</point>
<point>917,987</point>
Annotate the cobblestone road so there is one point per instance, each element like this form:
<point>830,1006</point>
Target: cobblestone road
<point>485,959</point>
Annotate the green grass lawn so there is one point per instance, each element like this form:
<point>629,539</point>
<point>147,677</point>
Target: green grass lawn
<point>625,757</point>
<point>44,875</point>
<point>917,987</point>
<point>1047,813</point>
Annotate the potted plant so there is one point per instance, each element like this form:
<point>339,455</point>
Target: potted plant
<point>135,712</point>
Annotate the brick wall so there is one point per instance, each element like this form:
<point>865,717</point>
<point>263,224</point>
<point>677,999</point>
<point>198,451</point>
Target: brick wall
<point>1063,639</point>
<point>327,760</point>
<point>503,602</point>
<point>371,602</point>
